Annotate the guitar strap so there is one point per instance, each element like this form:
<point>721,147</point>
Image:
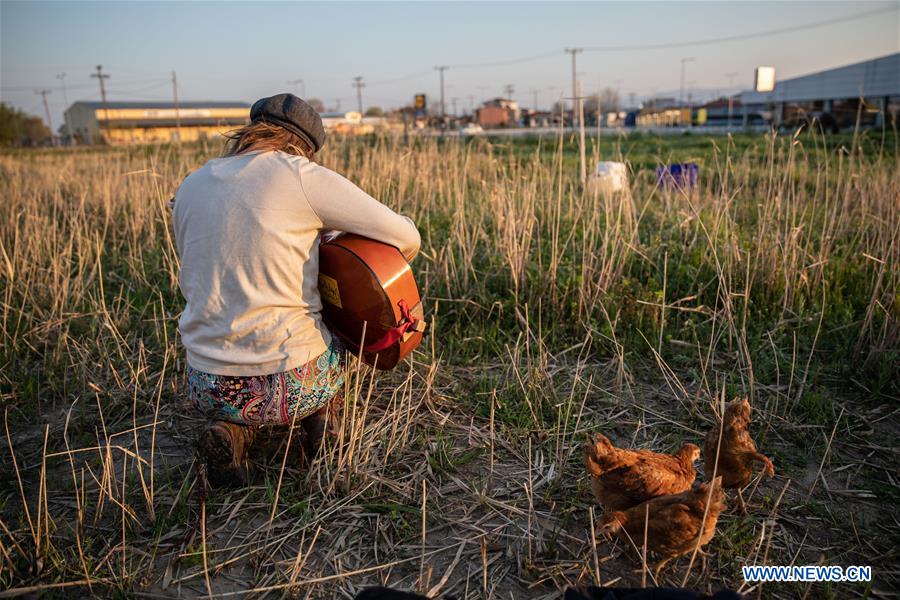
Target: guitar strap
<point>394,334</point>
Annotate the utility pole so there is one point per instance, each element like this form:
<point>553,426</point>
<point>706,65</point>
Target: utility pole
<point>534,95</point>
<point>681,89</point>
<point>581,133</point>
<point>299,83</point>
<point>731,77</point>
<point>453,102</point>
<point>337,101</point>
<point>177,111</point>
<point>359,85</point>
<point>578,112</point>
<point>554,98</point>
<point>441,70</point>
<point>509,90</point>
<point>43,94</point>
<point>62,83</point>
<point>618,83</point>
<point>100,76</point>
<point>690,104</point>
<point>471,104</point>
<point>574,52</point>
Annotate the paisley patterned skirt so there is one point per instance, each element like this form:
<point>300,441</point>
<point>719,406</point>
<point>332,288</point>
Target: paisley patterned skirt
<point>270,399</point>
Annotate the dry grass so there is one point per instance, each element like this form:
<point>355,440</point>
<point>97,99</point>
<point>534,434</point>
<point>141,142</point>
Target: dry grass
<point>554,312</point>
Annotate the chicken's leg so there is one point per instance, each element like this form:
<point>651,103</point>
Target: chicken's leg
<point>741,506</point>
<point>659,567</point>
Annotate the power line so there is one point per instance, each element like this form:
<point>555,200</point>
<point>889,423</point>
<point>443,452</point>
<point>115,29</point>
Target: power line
<point>142,97</point>
<point>701,42</point>
<point>139,90</point>
<point>742,36</point>
<point>534,57</point>
<point>511,61</point>
<point>78,86</point>
<point>410,77</point>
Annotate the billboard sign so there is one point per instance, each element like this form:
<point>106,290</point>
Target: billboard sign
<point>764,79</point>
<point>421,106</point>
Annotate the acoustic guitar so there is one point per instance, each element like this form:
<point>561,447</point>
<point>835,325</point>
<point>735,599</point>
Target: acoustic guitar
<point>370,299</point>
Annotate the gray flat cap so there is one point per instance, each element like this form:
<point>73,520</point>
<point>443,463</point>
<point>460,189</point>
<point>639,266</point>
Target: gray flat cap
<point>292,113</point>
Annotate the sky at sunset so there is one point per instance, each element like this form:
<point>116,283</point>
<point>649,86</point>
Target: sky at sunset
<point>245,50</point>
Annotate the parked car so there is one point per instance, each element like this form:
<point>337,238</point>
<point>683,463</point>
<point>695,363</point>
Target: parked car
<point>819,120</point>
<point>471,129</point>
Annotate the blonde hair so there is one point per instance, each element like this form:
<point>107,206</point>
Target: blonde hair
<point>265,137</point>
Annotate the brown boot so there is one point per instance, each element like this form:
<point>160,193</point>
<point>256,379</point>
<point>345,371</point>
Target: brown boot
<point>318,424</point>
<point>225,446</point>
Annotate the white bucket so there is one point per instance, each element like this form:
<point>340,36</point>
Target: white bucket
<point>610,176</point>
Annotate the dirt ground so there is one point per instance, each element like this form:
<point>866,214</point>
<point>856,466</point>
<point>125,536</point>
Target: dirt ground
<point>438,487</point>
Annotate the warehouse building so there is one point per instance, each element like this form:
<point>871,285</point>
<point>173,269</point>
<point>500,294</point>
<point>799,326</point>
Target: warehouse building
<point>146,122</point>
<point>870,88</point>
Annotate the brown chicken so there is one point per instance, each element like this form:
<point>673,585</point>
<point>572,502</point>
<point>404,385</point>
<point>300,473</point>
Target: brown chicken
<point>738,453</point>
<point>675,522</point>
<point>622,478</point>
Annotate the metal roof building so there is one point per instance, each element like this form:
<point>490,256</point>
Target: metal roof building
<point>142,122</point>
<point>876,81</point>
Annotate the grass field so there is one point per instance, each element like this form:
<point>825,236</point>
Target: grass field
<point>554,311</point>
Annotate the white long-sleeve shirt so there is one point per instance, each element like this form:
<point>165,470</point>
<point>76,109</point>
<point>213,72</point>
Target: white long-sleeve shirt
<point>247,229</point>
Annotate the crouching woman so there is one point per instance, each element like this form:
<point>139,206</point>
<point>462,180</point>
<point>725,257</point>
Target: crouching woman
<point>247,229</point>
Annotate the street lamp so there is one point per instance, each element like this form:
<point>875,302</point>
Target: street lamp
<point>681,92</point>
<point>731,77</point>
<point>690,85</point>
<point>62,83</point>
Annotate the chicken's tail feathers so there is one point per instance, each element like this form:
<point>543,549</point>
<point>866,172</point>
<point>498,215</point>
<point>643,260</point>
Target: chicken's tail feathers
<point>761,458</point>
<point>715,487</point>
<point>767,463</point>
<point>601,441</point>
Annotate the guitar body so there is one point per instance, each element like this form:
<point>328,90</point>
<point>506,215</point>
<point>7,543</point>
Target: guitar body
<point>369,295</point>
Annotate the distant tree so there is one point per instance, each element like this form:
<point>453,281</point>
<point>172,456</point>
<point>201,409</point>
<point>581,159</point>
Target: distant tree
<point>10,125</point>
<point>317,104</point>
<point>609,100</point>
<point>374,111</point>
<point>398,113</point>
<point>35,133</point>
<point>605,101</point>
<point>18,128</point>
<point>591,104</point>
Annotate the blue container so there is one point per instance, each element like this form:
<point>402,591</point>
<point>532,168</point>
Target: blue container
<point>678,176</point>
